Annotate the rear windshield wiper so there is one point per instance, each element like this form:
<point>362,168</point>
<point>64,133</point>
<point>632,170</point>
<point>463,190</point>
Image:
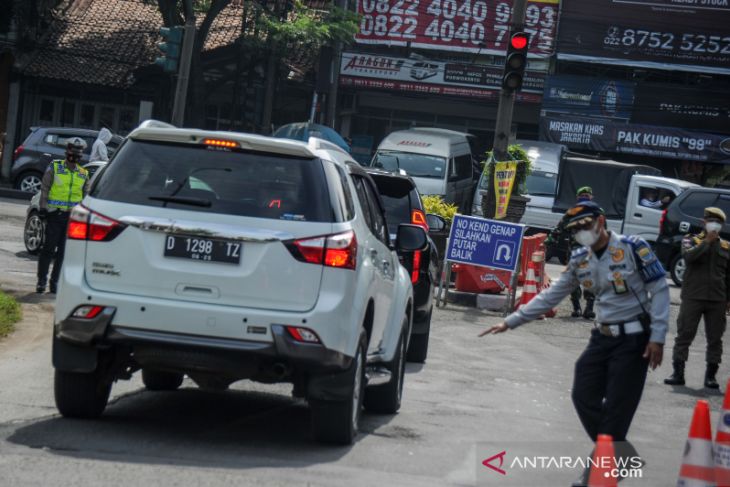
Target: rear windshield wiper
<point>183,200</point>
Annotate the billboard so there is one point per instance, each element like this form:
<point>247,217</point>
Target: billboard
<point>374,71</point>
<point>592,97</point>
<point>694,108</point>
<point>663,34</point>
<point>478,26</point>
<point>627,138</point>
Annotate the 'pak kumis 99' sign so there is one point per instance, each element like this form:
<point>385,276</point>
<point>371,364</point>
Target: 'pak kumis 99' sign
<point>457,25</point>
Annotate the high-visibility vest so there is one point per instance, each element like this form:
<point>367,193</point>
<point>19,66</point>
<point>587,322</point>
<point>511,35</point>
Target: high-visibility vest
<point>67,189</point>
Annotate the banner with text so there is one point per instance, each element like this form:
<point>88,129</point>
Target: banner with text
<point>432,77</point>
<point>590,97</point>
<point>479,26</point>
<point>504,179</point>
<point>641,140</point>
<point>664,34</point>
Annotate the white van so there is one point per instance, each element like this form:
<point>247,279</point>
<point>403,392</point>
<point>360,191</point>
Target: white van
<point>539,186</point>
<point>438,160</point>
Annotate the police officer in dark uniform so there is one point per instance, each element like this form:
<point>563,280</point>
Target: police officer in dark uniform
<point>560,234</point>
<point>632,307</point>
<point>705,292</point>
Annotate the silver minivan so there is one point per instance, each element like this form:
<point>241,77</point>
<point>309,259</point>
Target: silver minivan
<point>438,160</point>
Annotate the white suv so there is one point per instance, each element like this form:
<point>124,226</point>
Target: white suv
<point>228,256</point>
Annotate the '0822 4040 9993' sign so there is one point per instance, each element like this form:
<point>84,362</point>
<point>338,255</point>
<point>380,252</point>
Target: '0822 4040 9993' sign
<point>457,25</point>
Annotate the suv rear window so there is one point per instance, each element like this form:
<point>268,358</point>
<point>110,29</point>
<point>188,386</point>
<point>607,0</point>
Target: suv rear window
<point>696,202</point>
<point>398,200</point>
<point>215,180</point>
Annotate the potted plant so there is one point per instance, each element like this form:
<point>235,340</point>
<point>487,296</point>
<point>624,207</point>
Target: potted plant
<point>517,202</point>
<point>435,205</point>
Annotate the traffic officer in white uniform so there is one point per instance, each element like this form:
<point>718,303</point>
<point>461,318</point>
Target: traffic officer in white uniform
<point>632,308</point>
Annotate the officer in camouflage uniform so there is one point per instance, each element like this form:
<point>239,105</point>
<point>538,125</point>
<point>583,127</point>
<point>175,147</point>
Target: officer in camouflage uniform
<point>705,293</point>
<point>632,304</point>
<point>558,235</point>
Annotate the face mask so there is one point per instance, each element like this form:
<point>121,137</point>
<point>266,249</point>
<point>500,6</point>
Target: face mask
<point>713,227</point>
<point>584,198</point>
<point>587,237</point>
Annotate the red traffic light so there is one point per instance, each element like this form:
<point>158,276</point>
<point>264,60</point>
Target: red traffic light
<point>519,40</point>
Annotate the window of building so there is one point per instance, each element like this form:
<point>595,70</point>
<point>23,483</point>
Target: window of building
<point>47,111</point>
<point>86,115</point>
<point>68,114</point>
<point>106,117</point>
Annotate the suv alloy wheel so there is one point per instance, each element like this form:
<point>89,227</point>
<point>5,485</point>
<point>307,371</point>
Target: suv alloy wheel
<point>677,268</point>
<point>386,398</point>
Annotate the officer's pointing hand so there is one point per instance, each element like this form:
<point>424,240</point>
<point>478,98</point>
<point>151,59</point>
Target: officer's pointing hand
<point>500,328</point>
<point>654,353</point>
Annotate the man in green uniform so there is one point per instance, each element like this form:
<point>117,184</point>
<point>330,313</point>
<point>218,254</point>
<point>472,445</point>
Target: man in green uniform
<point>560,234</point>
<point>705,293</point>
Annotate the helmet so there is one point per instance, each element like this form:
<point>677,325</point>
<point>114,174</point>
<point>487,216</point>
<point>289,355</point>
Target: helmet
<point>75,145</point>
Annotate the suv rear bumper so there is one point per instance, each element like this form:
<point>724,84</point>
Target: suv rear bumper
<point>84,338</point>
<point>666,247</point>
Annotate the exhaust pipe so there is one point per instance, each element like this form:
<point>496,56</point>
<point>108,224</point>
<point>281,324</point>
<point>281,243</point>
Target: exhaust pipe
<point>280,370</point>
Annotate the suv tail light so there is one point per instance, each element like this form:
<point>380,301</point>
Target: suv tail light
<point>662,221</point>
<point>337,250</point>
<point>85,224</point>
<point>18,151</point>
<point>419,218</point>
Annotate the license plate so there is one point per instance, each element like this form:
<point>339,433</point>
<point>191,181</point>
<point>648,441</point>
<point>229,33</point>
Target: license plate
<point>203,249</point>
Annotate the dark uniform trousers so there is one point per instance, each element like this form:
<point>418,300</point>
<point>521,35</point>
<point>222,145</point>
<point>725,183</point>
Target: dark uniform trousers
<point>609,380</point>
<point>690,313</point>
<point>54,244</point>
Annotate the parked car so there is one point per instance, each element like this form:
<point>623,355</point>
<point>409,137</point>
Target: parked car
<point>403,205</point>
<point>43,145</point>
<point>684,215</point>
<point>277,266</point>
<point>34,228</point>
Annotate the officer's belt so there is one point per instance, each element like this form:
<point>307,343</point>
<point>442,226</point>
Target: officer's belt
<point>618,329</point>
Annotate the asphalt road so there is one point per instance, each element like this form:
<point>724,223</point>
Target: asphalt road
<point>473,399</point>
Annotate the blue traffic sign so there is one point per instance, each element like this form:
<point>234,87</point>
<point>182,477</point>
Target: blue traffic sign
<point>486,243</point>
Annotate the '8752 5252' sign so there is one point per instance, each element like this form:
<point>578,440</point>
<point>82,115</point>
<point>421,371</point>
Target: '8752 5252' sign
<point>486,243</point>
<point>457,25</point>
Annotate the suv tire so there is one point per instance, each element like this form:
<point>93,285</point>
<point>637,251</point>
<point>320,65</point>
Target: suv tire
<point>386,399</point>
<point>80,395</point>
<point>418,347</point>
<point>676,269</point>
<point>157,380</point>
<point>337,421</point>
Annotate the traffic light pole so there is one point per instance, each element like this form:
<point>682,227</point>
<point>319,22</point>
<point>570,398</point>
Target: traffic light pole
<point>183,75</point>
<point>506,99</point>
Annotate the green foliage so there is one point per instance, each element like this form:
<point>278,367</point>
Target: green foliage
<point>435,204</point>
<point>516,153</point>
<point>310,28</point>
<point>10,313</point>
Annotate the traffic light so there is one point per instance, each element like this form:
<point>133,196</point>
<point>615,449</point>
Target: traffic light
<point>170,48</point>
<point>516,61</point>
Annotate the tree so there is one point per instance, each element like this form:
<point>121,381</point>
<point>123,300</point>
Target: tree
<point>270,29</point>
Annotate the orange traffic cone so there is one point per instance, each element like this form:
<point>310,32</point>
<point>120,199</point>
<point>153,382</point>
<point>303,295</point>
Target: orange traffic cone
<point>529,289</point>
<point>603,466</point>
<point>698,468</point>
<point>722,443</point>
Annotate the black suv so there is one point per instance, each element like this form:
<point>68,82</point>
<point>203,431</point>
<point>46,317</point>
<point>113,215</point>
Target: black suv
<point>684,215</point>
<point>403,205</point>
<point>43,145</point>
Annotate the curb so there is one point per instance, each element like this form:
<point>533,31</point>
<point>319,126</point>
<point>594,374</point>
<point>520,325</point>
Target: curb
<point>15,194</point>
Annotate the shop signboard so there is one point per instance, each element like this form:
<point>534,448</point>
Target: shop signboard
<point>663,34</point>
<point>478,26</point>
<point>696,108</point>
<point>432,77</point>
<point>636,139</point>
<point>591,97</point>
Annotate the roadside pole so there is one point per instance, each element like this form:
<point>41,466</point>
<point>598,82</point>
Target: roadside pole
<point>506,99</point>
<point>502,130</point>
<point>183,74</point>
